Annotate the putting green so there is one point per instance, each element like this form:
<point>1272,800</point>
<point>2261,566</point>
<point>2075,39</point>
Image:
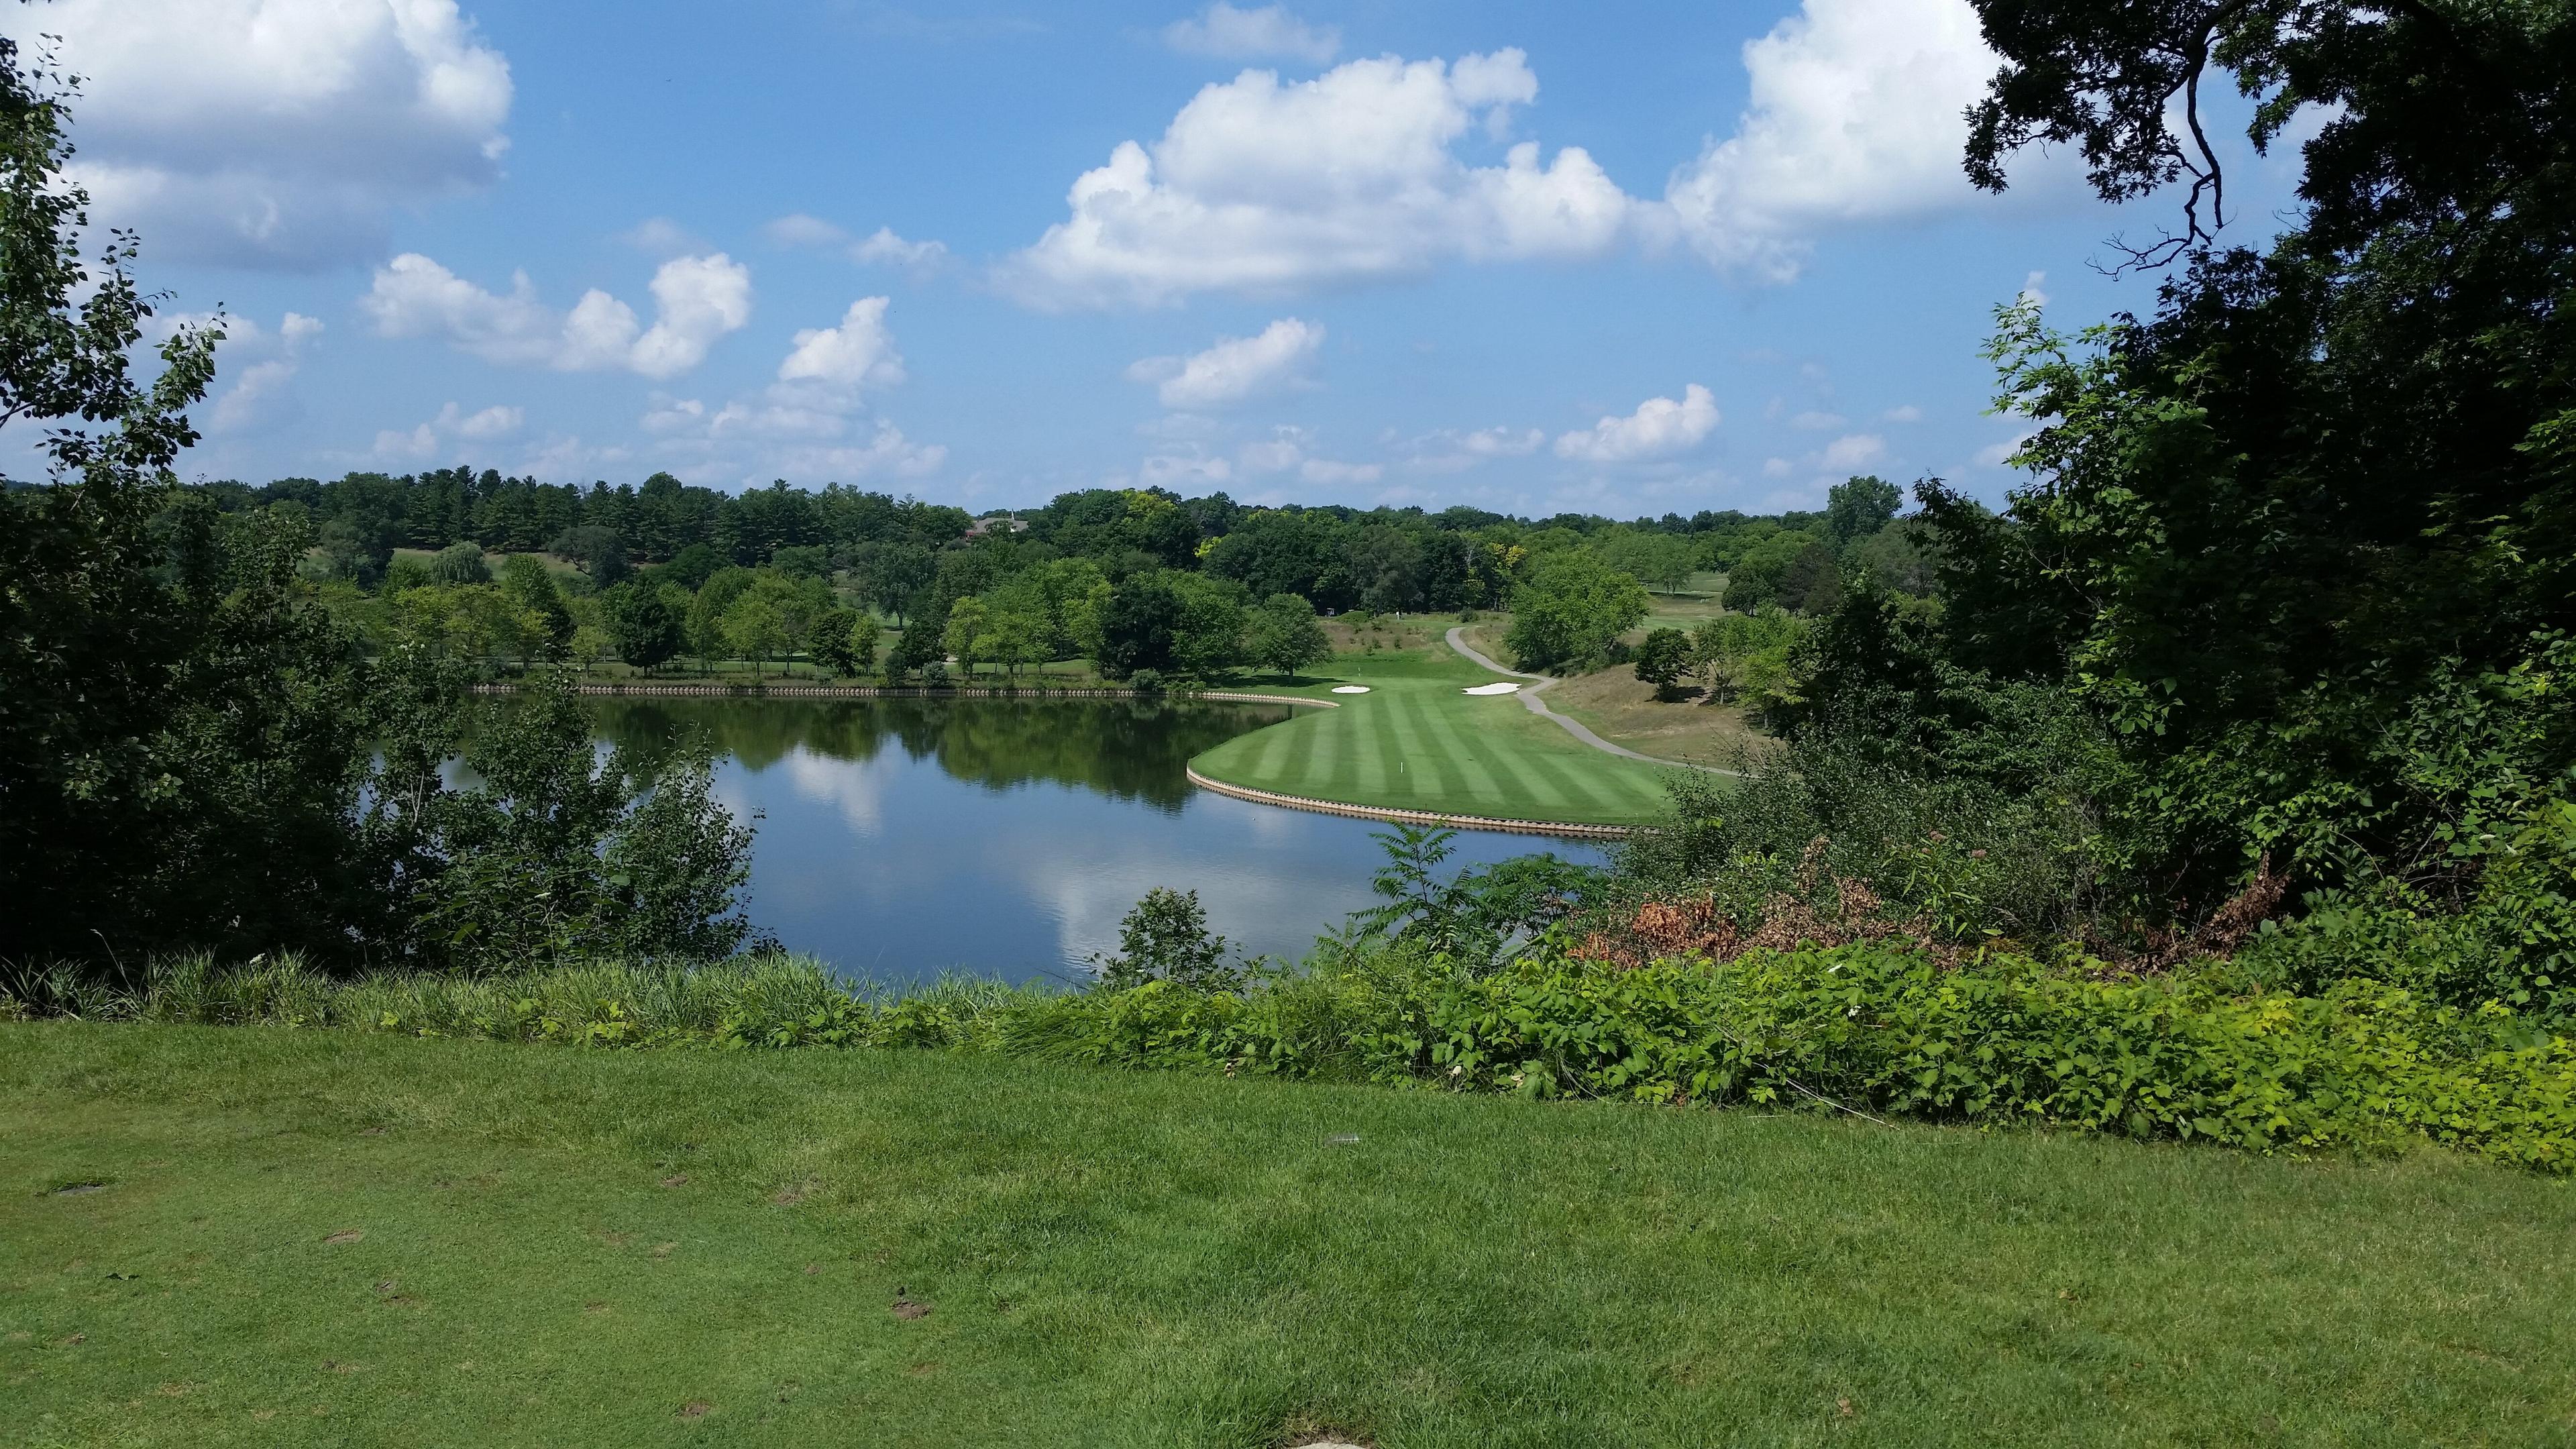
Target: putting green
<point>1415,742</point>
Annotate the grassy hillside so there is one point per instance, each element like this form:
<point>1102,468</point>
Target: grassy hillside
<point>1415,742</point>
<point>309,1238</point>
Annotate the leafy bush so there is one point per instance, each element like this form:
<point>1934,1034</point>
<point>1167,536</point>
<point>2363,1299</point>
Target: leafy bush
<point>1165,937</point>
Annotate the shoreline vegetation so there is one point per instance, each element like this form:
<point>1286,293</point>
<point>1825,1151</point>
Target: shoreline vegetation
<point>2203,1053</point>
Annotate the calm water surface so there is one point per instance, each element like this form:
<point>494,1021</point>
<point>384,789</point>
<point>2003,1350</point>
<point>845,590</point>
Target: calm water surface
<point>899,838</point>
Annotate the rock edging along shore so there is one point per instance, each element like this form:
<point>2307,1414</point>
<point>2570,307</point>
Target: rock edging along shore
<point>679,689</point>
<point>1406,817</point>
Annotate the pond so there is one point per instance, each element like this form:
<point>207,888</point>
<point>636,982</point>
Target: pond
<point>899,838</point>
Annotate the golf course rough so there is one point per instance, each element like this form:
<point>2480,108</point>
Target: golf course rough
<point>1417,742</point>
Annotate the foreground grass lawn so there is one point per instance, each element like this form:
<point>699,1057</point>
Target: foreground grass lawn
<point>333,1238</point>
<point>1414,742</point>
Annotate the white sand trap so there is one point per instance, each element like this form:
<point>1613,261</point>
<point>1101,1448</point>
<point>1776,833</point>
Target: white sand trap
<point>1496,688</point>
<point>1350,689</point>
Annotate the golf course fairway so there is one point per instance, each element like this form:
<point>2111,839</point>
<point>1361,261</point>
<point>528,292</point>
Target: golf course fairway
<point>1417,742</point>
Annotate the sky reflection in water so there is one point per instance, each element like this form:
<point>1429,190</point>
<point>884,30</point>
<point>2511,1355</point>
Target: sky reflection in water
<point>901,838</point>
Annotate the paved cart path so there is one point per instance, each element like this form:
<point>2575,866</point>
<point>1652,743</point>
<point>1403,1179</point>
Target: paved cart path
<point>1530,699</point>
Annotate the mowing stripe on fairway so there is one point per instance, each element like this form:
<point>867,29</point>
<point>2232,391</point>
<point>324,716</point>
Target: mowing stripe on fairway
<point>1426,748</point>
<point>1475,761</point>
<point>1369,766</point>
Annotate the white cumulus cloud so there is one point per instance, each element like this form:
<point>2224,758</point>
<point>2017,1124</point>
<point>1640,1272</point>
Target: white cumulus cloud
<point>1502,442</point>
<point>274,133</point>
<point>859,353</point>
<point>1857,115</point>
<point>811,423</point>
<point>424,442</point>
<point>1182,472</point>
<point>882,247</point>
<point>1327,472</point>
<point>1283,450</point>
<point>697,300</point>
<point>1858,450</point>
<point>259,393</point>
<point>1451,451</point>
<point>1659,428</point>
<point>1224,31</point>
<point>1236,368</point>
<point>1261,187</point>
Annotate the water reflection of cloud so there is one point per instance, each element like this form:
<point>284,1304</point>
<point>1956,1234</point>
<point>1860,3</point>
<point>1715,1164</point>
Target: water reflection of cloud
<point>851,787</point>
<point>732,793</point>
<point>1266,823</point>
<point>1088,898</point>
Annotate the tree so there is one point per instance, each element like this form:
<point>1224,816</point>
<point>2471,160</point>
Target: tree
<point>1207,638</point>
<point>707,610</point>
<point>182,730</point>
<point>1860,506</point>
<point>752,625</point>
<point>460,563</point>
<point>1813,581</point>
<point>830,642</point>
<point>1572,612</point>
<point>646,630</point>
<point>2270,530</point>
<point>691,567</point>
<point>1756,576</point>
<point>596,550</point>
<point>1663,659</point>
<point>1165,937</point>
<point>194,753</point>
<point>1747,656</point>
<point>917,647</point>
<point>802,561</point>
<point>1137,628</point>
<point>1658,560</point>
<point>862,641</point>
<point>966,638</point>
<point>893,575</point>
<point>548,627</point>
<point>556,853</point>
<point>1284,634</point>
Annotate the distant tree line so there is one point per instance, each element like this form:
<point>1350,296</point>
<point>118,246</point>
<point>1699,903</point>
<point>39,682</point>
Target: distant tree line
<point>1384,560</point>
<point>1144,583</point>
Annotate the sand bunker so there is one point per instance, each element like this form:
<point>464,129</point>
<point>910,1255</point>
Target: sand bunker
<point>1497,688</point>
<point>1350,689</point>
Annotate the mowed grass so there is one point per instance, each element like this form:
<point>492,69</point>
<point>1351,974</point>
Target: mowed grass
<point>333,1238</point>
<point>1414,742</point>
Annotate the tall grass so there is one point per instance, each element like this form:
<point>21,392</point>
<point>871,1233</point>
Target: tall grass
<point>765,1000</point>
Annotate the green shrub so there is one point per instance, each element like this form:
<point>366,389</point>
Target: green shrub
<point>2210,1053</point>
<point>2197,1055</point>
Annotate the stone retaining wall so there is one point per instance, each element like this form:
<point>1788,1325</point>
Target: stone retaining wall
<point>679,689</point>
<point>1407,817</point>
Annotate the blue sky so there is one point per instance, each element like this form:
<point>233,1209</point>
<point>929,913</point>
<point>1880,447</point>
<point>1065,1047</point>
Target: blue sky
<point>1620,258</point>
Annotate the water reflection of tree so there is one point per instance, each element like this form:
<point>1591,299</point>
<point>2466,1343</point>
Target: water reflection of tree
<point>1126,749</point>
